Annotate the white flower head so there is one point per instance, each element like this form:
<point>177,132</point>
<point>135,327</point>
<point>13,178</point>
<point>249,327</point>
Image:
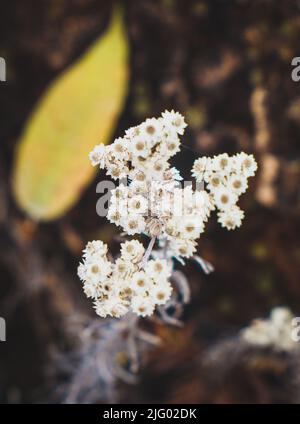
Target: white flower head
<point>119,149</point>
<point>151,130</point>
<point>98,155</point>
<point>231,218</point>
<point>174,120</point>
<point>158,269</point>
<point>222,163</point>
<point>161,293</point>
<point>183,248</point>
<point>139,147</point>
<point>132,251</point>
<point>237,183</point>
<point>123,268</point>
<point>95,248</point>
<point>138,204</point>
<point>246,163</point>
<point>201,167</point>
<point>133,224</point>
<point>142,306</point>
<point>140,282</point>
<point>224,198</point>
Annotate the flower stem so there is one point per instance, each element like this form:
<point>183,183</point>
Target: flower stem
<point>147,253</point>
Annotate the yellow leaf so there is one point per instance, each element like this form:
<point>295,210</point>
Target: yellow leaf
<point>79,109</point>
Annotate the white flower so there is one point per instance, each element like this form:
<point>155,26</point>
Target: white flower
<point>119,149</point>
<point>170,147</point>
<point>214,181</point>
<point>191,227</point>
<point>175,120</point>
<point>120,192</point>
<point>132,250</point>
<point>260,333</point>
<point>140,282</point>
<point>132,132</point>
<point>101,309</point>
<point>161,293</point>
<point>97,271</point>
<point>111,307</point>
<point>154,169</point>
<point>95,248</point>
<point>139,147</point>
<point>114,215</point>
<point>97,155</point>
<point>133,224</point>
<point>171,229</point>
<point>222,163</point>
<point>142,306</point>
<point>201,166</point>
<point>118,310</point>
<point>137,205</point>
<point>92,290</point>
<point>231,218</point>
<point>183,248</point>
<point>237,183</point>
<point>117,171</point>
<point>246,163</point>
<point>81,271</point>
<point>158,269</point>
<point>151,129</point>
<point>203,204</point>
<point>273,332</point>
<point>173,174</point>
<point>281,316</point>
<point>123,268</point>
<point>224,198</point>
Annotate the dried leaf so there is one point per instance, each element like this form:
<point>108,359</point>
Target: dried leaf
<point>79,110</point>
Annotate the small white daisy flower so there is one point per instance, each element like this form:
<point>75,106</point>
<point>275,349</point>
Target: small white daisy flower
<point>140,282</point>
<point>161,293</point>
<point>158,269</point>
<point>139,147</point>
<point>200,167</point>
<point>132,250</point>
<point>137,205</point>
<point>151,129</point>
<point>224,198</point>
<point>231,218</point>
<point>142,306</point>
<point>222,163</point>
<point>238,183</point>
<point>95,248</point>
<point>174,119</point>
<point>98,155</point>
<point>183,248</point>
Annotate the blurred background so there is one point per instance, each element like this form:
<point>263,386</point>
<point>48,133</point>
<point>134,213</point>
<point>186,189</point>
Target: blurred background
<point>226,66</point>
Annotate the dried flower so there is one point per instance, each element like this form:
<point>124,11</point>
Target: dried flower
<point>155,204</point>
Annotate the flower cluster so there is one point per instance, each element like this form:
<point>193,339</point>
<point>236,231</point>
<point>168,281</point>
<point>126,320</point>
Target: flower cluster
<point>162,209</point>
<point>152,201</point>
<point>274,332</point>
<point>128,283</point>
<point>226,178</point>
<point>144,151</point>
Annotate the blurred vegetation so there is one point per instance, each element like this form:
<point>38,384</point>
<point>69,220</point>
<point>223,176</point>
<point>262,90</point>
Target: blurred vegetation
<point>226,65</point>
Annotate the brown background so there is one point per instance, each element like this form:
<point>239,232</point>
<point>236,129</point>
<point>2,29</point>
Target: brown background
<point>226,65</point>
